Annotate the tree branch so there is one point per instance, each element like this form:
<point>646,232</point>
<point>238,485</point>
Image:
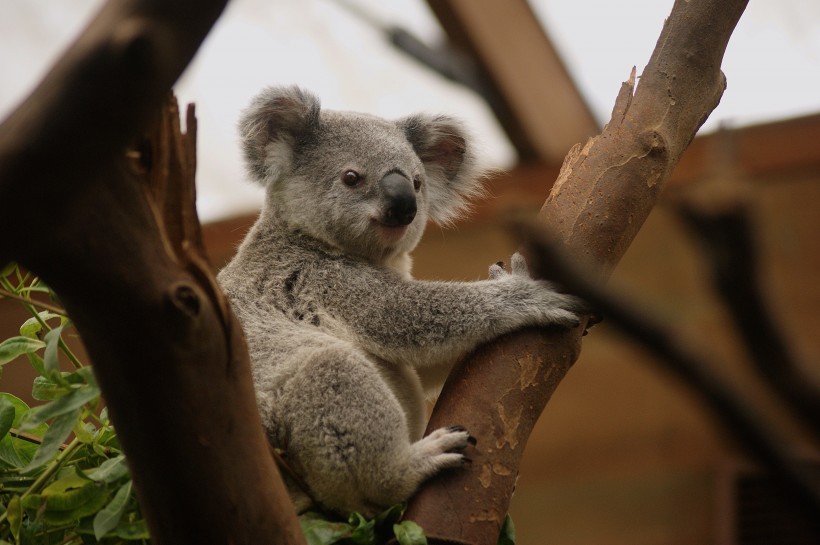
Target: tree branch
<point>601,198</point>
<point>119,241</point>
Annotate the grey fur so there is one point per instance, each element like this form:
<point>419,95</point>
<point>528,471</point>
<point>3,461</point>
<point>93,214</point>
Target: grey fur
<point>343,342</point>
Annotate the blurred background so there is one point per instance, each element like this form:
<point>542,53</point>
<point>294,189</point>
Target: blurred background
<point>623,454</point>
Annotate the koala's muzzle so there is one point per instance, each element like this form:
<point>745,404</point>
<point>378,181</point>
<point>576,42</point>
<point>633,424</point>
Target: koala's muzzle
<point>399,199</point>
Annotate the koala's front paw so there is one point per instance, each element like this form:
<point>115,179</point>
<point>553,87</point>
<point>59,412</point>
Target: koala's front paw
<point>558,308</point>
<point>443,447</point>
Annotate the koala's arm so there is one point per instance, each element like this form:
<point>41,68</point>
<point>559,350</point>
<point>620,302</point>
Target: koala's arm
<point>430,323</point>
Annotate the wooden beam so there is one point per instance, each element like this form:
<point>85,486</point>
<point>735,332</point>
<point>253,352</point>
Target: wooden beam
<point>772,151</point>
<point>778,150</point>
<point>529,88</point>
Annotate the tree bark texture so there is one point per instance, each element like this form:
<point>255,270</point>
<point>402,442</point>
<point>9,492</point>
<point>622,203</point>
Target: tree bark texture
<point>119,240</point>
<point>603,194</point>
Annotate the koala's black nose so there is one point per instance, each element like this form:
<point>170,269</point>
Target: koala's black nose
<point>399,200</point>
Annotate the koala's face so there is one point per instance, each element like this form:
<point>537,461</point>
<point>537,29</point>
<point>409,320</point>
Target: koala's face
<point>362,184</point>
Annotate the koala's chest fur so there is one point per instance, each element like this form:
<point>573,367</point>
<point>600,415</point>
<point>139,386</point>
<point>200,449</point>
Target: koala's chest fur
<point>293,301</point>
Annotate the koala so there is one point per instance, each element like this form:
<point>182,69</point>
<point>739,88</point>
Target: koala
<point>344,343</point>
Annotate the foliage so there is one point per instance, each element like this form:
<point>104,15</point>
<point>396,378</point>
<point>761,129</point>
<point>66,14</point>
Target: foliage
<point>63,476</point>
<point>357,530</point>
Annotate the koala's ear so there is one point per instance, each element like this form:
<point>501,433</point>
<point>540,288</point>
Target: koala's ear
<point>443,145</point>
<point>276,120</point>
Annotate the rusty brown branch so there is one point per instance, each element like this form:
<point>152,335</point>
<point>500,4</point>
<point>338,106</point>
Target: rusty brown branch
<point>601,198</point>
<point>119,240</point>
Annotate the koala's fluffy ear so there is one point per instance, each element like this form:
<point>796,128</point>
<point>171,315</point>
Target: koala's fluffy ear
<point>444,147</point>
<point>276,120</point>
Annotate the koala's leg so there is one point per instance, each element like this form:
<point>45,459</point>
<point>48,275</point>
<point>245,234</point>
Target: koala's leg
<point>347,433</point>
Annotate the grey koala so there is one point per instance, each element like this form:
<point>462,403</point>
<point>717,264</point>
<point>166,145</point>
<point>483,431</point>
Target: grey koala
<point>344,344</point>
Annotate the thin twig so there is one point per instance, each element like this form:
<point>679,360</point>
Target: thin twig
<point>44,306</point>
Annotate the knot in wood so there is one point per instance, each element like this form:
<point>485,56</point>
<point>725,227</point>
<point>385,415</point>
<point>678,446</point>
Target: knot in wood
<point>185,298</point>
<point>653,143</point>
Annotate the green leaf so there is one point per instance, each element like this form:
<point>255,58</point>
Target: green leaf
<point>390,516</point>
<point>318,531</point>
<point>7,414</point>
<point>33,326</point>
<point>363,530</point>
<point>71,499</point>
<point>14,514</point>
<point>133,531</point>
<point>37,363</point>
<point>85,432</point>
<point>66,404</point>
<point>409,533</point>
<point>507,535</point>
<point>109,517</point>
<point>110,471</point>
<point>17,346</point>
<point>50,359</point>
<point>45,389</point>
<point>14,452</point>
<point>53,439</point>
<point>7,269</point>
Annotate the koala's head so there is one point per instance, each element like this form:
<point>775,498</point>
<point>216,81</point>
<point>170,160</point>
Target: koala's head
<point>359,183</point>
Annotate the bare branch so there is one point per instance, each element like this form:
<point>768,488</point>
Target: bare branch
<point>603,195</point>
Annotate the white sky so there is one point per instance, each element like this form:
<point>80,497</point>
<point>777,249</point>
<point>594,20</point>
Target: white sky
<point>772,64</point>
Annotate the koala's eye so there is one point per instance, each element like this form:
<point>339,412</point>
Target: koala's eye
<point>351,178</point>
<point>416,182</point>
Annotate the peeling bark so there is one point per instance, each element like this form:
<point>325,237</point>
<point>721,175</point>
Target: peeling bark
<point>603,194</point>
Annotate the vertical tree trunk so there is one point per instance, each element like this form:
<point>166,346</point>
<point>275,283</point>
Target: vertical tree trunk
<point>119,241</point>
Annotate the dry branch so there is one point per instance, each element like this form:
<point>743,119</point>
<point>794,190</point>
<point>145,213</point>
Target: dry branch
<point>128,266</point>
<point>604,193</point>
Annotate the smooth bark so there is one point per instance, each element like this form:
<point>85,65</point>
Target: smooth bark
<point>604,193</point>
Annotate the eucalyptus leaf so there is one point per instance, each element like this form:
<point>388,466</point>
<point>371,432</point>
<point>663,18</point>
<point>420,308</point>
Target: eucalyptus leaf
<point>53,439</point>
<point>363,530</point>
<point>507,535</point>
<point>391,515</point>
<point>17,346</point>
<point>110,471</point>
<point>14,514</point>
<point>37,363</point>
<point>33,326</point>
<point>109,517</point>
<point>7,269</point>
<point>318,531</point>
<point>409,533</point>
<point>7,414</point>
<point>132,531</point>
<point>50,359</point>
<point>14,452</point>
<point>68,403</point>
<point>97,498</point>
<point>45,389</point>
